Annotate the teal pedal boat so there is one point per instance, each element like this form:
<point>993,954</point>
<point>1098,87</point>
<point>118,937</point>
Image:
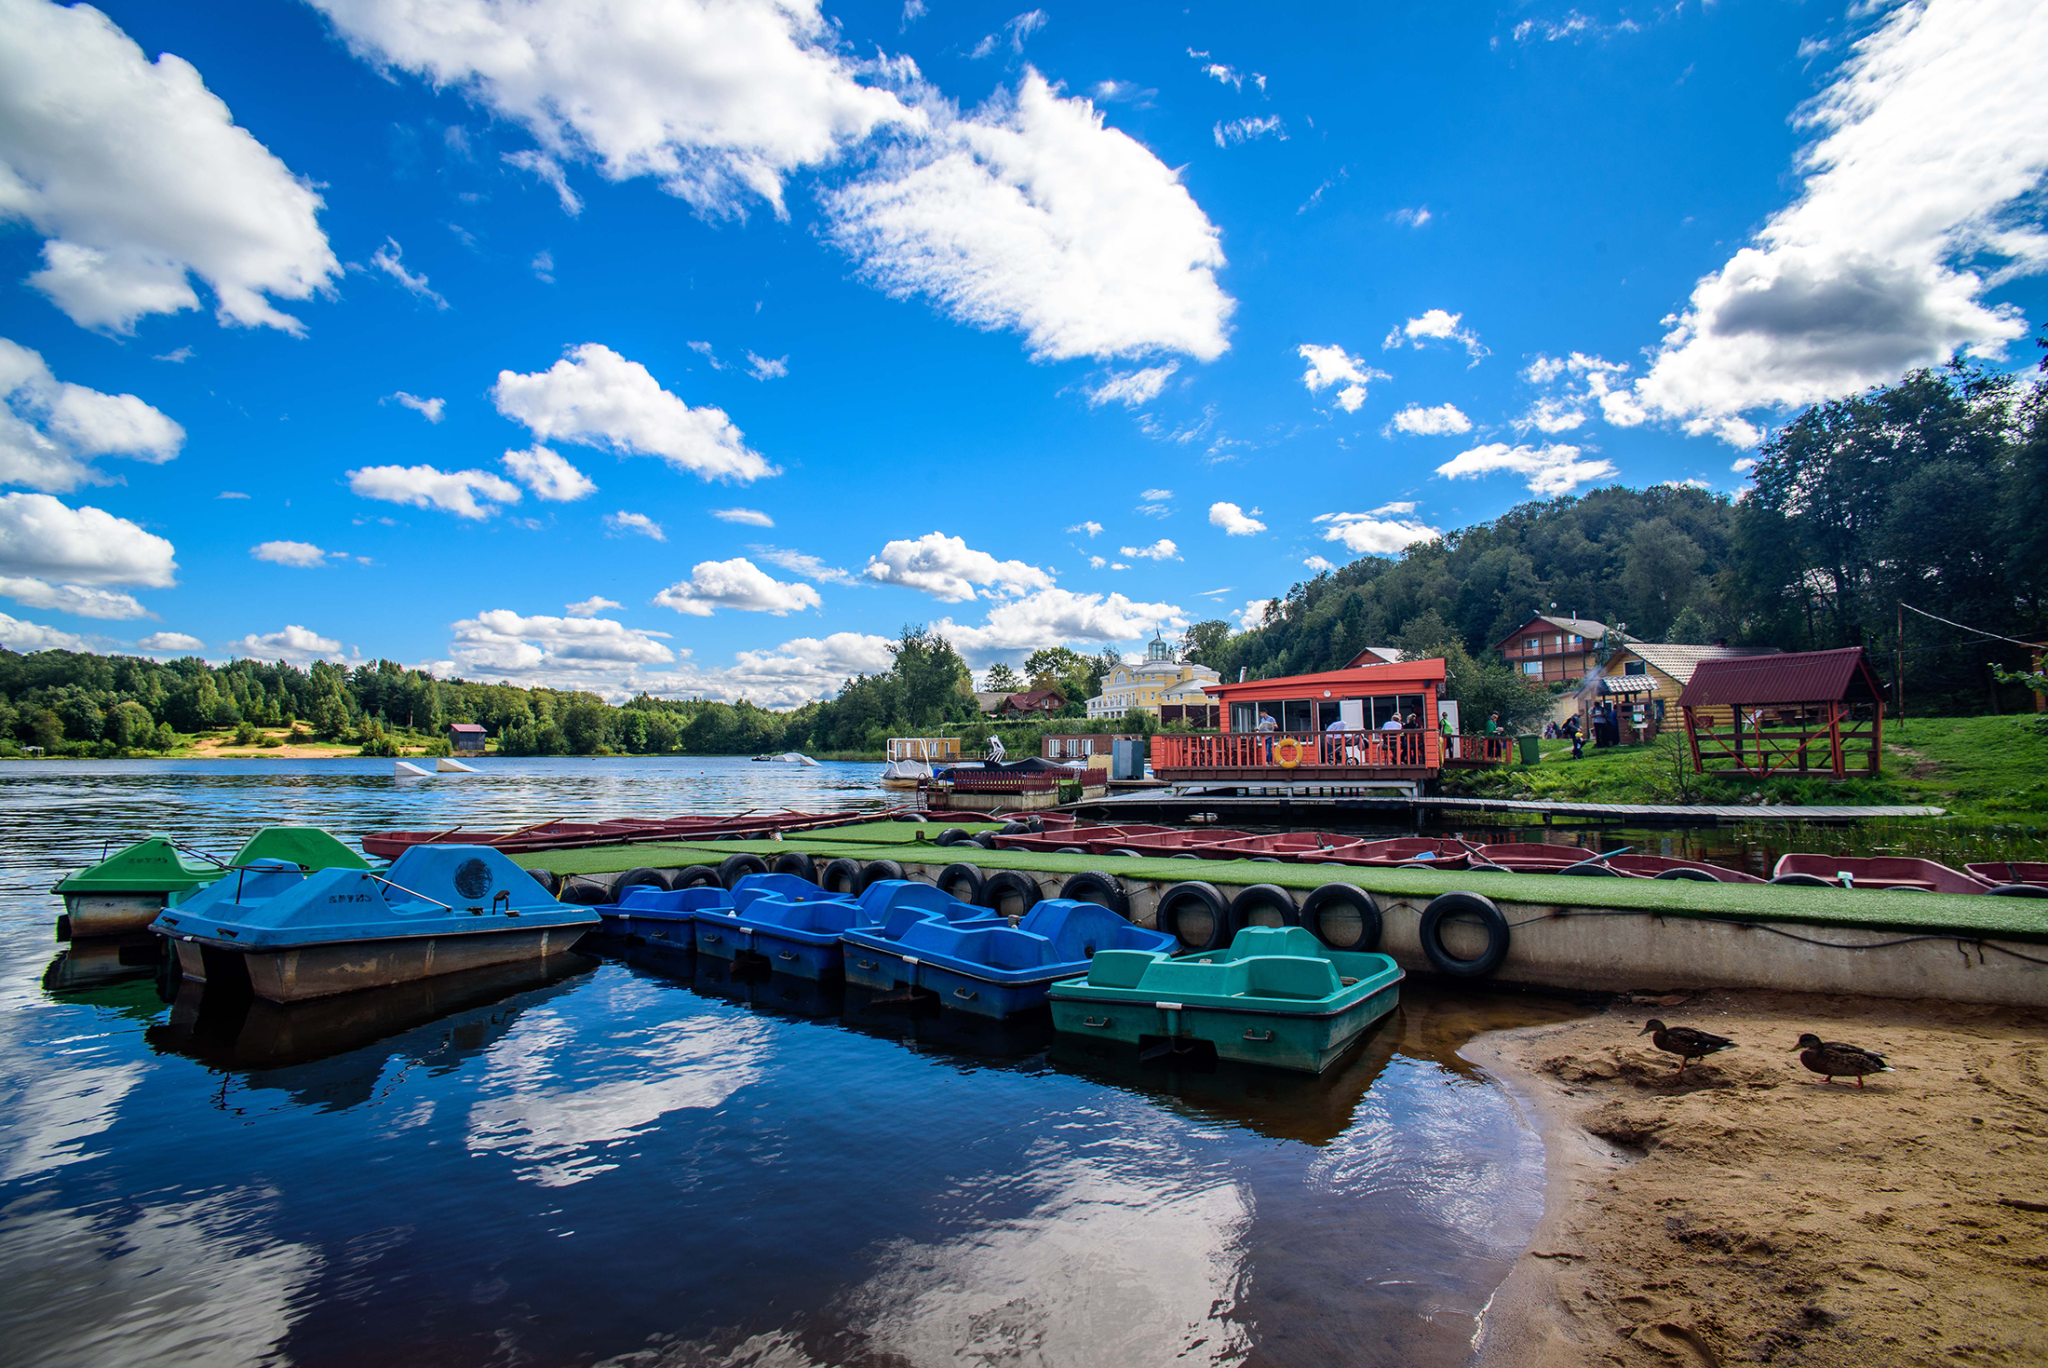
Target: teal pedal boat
<point>125,891</point>
<point>439,909</point>
<point>1277,997</point>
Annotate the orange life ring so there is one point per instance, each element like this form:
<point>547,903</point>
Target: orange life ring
<point>1288,758</point>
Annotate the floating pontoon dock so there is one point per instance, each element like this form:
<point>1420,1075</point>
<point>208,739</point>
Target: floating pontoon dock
<point>1181,803</point>
<point>1602,935</point>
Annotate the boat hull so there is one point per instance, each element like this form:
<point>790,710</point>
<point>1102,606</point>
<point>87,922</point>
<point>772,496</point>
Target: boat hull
<point>867,967</point>
<point>1299,1042</point>
<point>302,973</point>
<point>88,916</point>
<point>671,933</point>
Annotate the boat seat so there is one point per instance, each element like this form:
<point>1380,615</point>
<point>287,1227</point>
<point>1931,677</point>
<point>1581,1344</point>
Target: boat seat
<point>1079,930</point>
<point>822,916</point>
<point>787,886</point>
<point>886,897</point>
<point>1290,976</point>
<point>648,898</point>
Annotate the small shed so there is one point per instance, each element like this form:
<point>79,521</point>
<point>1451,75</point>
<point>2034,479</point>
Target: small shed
<point>466,738</point>
<point>1645,678</point>
<point>1805,712</point>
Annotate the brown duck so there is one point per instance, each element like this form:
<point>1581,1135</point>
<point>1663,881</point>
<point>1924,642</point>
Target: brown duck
<point>1832,1059</point>
<point>1683,1041</point>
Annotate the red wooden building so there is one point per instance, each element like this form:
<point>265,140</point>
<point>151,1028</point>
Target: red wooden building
<point>1327,728</point>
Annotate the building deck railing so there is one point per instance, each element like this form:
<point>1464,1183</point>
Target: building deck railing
<point>1360,751</point>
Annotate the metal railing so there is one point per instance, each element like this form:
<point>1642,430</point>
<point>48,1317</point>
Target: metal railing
<point>1417,749</point>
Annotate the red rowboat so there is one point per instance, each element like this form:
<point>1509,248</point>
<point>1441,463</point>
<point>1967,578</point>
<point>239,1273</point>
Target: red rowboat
<point>2003,873</point>
<point>1878,871</point>
<point>560,835</point>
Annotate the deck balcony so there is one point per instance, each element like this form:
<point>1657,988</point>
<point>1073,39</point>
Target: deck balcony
<point>1319,758</point>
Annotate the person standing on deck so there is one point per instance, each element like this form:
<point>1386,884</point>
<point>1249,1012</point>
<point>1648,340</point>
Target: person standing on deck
<point>1268,723</point>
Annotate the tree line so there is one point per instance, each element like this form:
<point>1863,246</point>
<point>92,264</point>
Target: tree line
<point>1932,492</point>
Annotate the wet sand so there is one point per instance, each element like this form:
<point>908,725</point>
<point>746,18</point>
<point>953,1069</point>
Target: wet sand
<point>1744,1212</point>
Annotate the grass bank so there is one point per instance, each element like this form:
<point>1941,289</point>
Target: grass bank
<point>1984,769</point>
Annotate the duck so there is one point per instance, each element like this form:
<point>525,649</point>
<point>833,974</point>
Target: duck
<point>1684,1041</point>
<point>1832,1059</point>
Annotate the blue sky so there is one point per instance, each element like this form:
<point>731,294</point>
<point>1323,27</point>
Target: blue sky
<point>700,347</point>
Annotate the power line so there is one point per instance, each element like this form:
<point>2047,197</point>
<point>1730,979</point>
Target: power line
<point>1985,633</point>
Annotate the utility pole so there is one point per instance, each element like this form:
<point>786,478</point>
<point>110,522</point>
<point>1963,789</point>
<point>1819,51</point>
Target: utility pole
<point>1901,671</point>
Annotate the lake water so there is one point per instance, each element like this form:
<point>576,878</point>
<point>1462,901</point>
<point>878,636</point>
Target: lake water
<point>632,1161</point>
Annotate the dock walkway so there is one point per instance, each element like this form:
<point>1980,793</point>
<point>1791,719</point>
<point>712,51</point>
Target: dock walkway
<point>1180,804</point>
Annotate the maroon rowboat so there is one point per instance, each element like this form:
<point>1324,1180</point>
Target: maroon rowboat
<point>1879,872</point>
<point>2005,873</point>
<point>560,835</point>
<point>1286,845</point>
<point>1168,842</point>
<point>1087,838</point>
<point>1435,852</point>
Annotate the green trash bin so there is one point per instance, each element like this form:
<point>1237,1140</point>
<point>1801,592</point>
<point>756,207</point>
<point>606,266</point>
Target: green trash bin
<point>1532,748</point>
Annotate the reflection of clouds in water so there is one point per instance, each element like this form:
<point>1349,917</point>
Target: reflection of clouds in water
<point>554,1118</point>
<point>51,1117</point>
<point>1458,1151</point>
<point>181,1283</point>
<point>1131,1253</point>
<point>1109,1268</point>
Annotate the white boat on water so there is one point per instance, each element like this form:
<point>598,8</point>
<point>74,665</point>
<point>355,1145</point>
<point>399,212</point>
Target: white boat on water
<point>787,758</point>
<point>911,759</point>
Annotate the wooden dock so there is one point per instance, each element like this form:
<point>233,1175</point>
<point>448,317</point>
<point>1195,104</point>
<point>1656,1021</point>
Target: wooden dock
<point>1182,805</point>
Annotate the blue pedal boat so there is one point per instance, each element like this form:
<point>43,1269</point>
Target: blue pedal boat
<point>791,926</point>
<point>987,967</point>
<point>1276,997</point>
<point>646,913</point>
<point>438,909</point>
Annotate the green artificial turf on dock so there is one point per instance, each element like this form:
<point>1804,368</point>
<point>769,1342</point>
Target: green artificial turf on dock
<point>1903,913</point>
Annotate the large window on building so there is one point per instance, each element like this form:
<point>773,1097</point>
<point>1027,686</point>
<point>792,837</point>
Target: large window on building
<point>1295,715</point>
<point>1532,667</point>
<point>1532,643</point>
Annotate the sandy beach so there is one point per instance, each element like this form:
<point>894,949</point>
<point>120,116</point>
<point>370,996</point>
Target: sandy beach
<point>1742,1211</point>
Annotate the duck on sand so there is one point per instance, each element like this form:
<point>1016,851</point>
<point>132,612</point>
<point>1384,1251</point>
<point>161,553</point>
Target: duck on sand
<point>1730,1212</point>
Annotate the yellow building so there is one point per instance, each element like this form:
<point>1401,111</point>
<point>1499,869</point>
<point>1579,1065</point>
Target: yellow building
<point>1160,682</point>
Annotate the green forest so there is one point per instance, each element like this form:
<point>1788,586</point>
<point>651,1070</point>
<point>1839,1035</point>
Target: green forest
<point>1904,506</point>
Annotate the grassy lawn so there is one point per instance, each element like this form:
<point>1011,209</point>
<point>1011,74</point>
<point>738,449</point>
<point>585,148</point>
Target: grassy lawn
<point>1987,769</point>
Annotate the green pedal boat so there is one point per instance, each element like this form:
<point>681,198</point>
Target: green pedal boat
<point>124,892</point>
<point>1276,997</point>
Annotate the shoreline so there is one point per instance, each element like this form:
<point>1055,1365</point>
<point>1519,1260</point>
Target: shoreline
<point>1744,1211</point>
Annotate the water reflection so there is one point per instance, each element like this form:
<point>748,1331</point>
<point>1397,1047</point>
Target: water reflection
<point>181,1281</point>
<point>552,1098</point>
<point>232,1030</point>
<point>616,1164</point>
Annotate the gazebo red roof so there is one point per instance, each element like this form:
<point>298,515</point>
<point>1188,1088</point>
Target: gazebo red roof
<point>1842,675</point>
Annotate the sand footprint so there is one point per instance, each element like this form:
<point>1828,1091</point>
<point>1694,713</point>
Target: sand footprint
<point>1678,1341</point>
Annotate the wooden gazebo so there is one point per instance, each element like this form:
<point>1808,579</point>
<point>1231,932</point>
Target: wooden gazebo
<point>1802,713</point>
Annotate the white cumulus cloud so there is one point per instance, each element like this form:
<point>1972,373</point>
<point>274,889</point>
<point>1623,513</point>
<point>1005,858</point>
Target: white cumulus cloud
<point>950,570</point>
<point>549,475</point>
<point>295,645</point>
<point>1920,195</point>
<point>1091,528</point>
<point>738,584</point>
<point>58,557</point>
<point>1318,564</point>
<point>716,100</point>
<point>1254,613</point>
<point>1382,532</point>
<point>502,644</point>
<point>1032,214</point>
<point>429,409</point>
<point>465,493</point>
<point>1436,325</point>
<point>1234,521</point>
<point>51,430</point>
<point>805,564</point>
<point>1332,365</point>
<point>752,517</point>
<point>622,522</point>
<point>1161,550</point>
<point>1439,421</point>
<point>591,607</point>
<point>178,642</point>
<point>19,635</point>
<point>1133,388</point>
<point>598,398</point>
<point>1054,617</point>
<point>1556,468</point>
<point>138,179</point>
<point>301,554</point>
